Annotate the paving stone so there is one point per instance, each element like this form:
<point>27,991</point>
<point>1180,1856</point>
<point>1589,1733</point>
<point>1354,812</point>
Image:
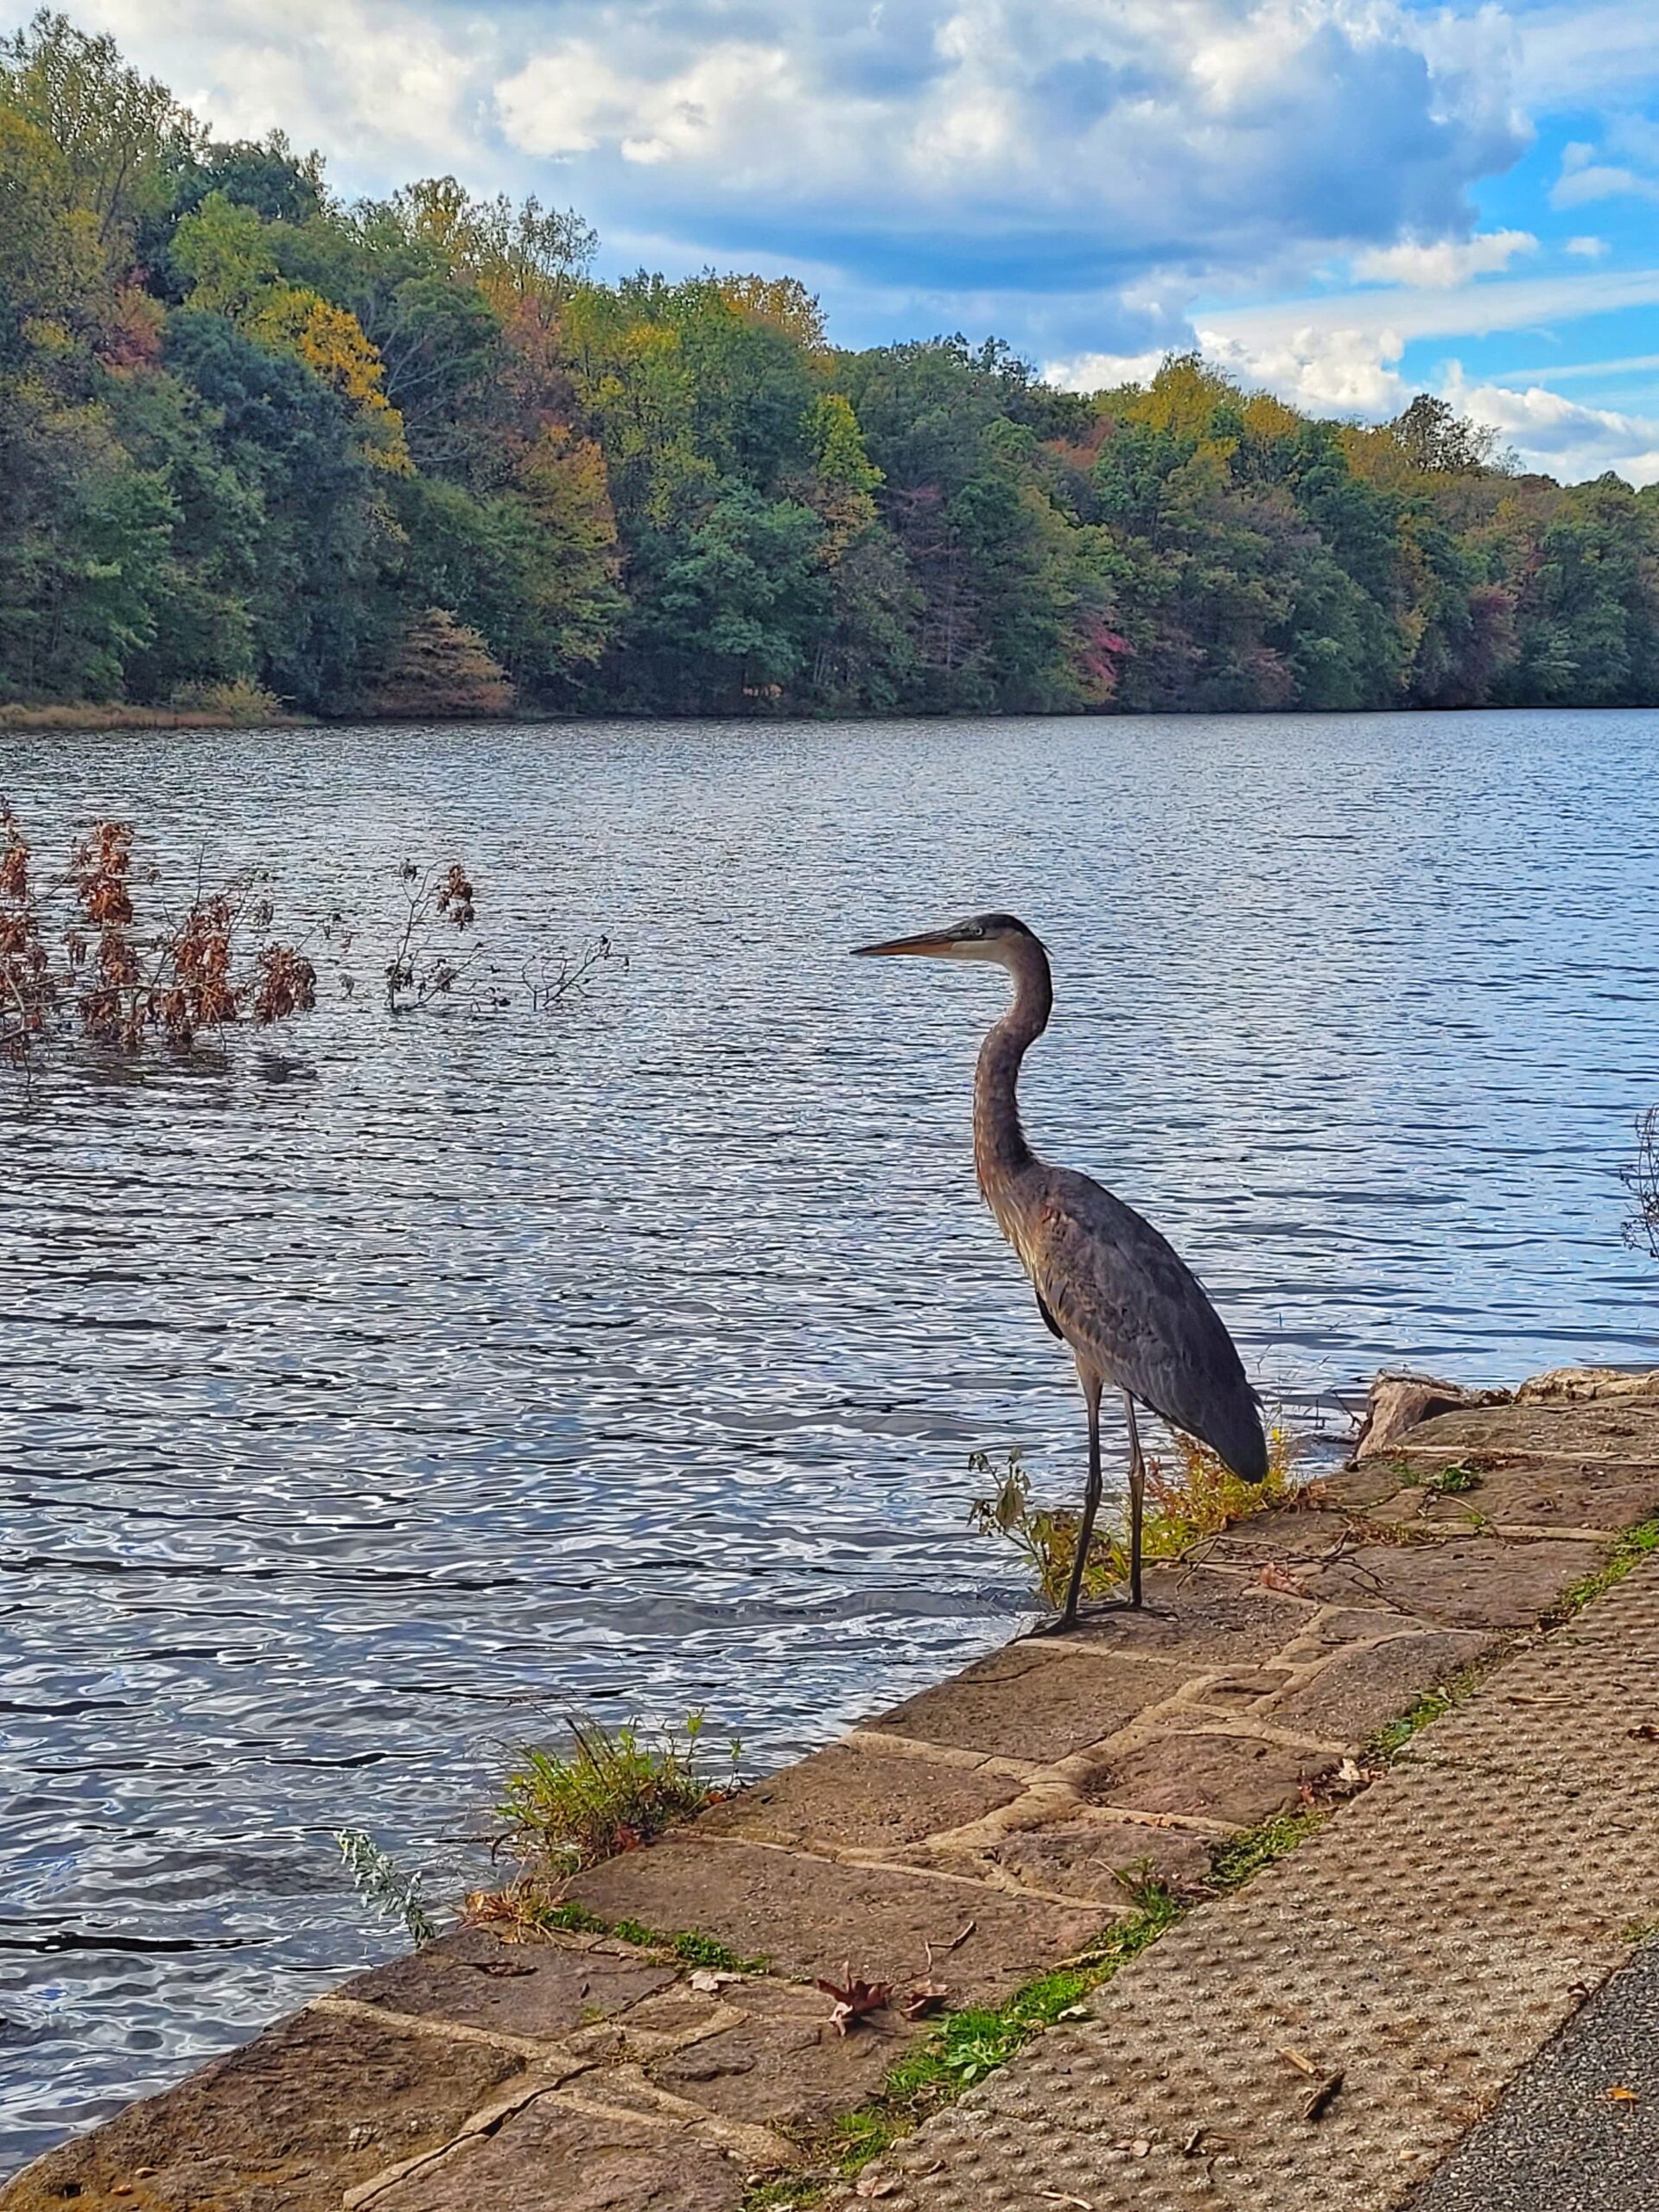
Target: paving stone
<point>1422,1945</point>
<point>860,1799</point>
<point>553,2158</point>
<point>1094,1858</point>
<point>1237,1779</point>
<point>1036,1701</point>
<point>521,1989</point>
<point>1545,1497</point>
<point>286,2124</point>
<point>1602,1429</point>
<point>785,2065</point>
<point>806,1915</point>
<point>1460,1582</point>
<point>1363,1687</point>
<point>1201,1619</point>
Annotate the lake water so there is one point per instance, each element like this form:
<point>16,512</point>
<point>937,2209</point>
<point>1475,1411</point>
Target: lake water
<point>379,1394</point>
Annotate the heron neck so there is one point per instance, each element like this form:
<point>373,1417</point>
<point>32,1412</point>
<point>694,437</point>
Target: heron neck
<point>999,1147</point>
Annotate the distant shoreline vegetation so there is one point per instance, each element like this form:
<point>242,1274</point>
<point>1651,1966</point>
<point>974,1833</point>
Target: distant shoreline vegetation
<point>267,455</point>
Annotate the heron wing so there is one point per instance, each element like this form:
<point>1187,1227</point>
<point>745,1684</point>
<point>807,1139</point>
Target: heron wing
<point>1118,1291</point>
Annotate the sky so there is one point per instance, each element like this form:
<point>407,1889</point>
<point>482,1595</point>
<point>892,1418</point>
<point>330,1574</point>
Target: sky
<point>1343,201</point>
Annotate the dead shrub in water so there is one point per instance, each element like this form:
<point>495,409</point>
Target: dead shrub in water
<point>77,954</point>
<point>101,951</point>
<point>1188,1496</point>
<point>439,960</point>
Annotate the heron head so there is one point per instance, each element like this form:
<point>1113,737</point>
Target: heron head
<point>981,937</point>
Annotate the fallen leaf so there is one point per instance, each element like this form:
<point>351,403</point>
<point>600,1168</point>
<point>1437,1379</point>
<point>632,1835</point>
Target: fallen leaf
<point>856,1999</point>
<point>922,1998</point>
<point>706,1980</point>
<point>1274,1576</point>
<point>1140,2147</point>
<point>1620,2095</point>
<point>874,2184</point>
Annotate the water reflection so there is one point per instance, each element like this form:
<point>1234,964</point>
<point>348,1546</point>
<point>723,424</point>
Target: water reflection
<point>381,1389</point>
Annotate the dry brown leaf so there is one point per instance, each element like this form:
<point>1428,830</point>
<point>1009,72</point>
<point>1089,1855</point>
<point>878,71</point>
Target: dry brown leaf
<point>856,1999</point>
<point>924,1998</point>
<point>1620,2095</point>
<point>708,1981</point>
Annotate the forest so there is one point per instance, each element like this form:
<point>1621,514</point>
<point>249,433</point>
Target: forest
<point>262,450</point>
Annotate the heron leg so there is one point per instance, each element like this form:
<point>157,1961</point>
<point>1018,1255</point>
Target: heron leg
<point>1137,1501</point>
<point>1090,1503</point>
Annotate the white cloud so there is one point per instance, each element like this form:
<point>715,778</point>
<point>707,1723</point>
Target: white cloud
<point>1445,262</point>
<point>1557,436</point>
<point>389,83</point>
<point>1571,54</point>
<point>1345,372</point>
<point>1588,249</point>
<point>1577,188</point>
<point>1102,371</point>
<point>571,98</point>
<point>1507,303</point>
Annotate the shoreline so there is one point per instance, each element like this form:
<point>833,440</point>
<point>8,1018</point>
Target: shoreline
<point>1017,1835</point>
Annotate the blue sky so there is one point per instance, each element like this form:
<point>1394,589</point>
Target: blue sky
<point>1342,201</point>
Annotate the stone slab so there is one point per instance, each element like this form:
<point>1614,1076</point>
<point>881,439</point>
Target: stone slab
<point>808,1915</point>
<point>286,2124</point>
<point>1036,1701</point>
<point>1238,1780</point>
<point>1364,1686</point>
<point>860,1799</point>
<point>1601,1429</point>
<point>1094,1858</point>
<point>1202,1619</point>
<point>783,2065</point>
<point>535,1990</point>
<point>1460,1582</point>
<point>554,2157</point>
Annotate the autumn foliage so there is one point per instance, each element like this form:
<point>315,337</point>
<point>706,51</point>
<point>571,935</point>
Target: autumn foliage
<point>79,956</point>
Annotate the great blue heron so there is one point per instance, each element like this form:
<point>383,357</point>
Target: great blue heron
<point>1135,1317</point>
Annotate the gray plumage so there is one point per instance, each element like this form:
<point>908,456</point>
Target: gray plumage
<point>1132,1313</point>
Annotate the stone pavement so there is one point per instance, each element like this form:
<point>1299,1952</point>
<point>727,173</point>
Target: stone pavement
<point>986,1830</point>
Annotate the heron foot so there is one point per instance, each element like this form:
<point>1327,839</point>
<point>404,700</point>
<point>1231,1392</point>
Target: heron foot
<point>1062,1624</point>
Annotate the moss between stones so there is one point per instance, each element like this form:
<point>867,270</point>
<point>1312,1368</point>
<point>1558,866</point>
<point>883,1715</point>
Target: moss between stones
<point>689,1945</point>
<point>1631,1549</point>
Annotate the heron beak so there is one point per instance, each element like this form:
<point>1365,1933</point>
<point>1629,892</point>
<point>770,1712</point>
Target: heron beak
<point>930,941</point>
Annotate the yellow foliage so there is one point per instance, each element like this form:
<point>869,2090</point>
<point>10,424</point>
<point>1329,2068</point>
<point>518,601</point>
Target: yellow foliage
<point>783,302</point>
<point>330,341</point>
<point>1194,1497</point>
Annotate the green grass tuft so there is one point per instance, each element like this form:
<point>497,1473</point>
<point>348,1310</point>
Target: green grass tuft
<point>1631,1549</point>
<point>1243,1857</point>
<point>689,1945</point>
<point>610,1791</point>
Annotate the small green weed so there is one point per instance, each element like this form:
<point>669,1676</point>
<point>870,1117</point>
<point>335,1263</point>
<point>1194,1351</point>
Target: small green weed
<point>690,1945</point>
<point>1244,1856</point>
<point>379,1879</point>
<point>1195,1498</point>
<point>1631,1548</point>
<point>1452,1482</point>
<point>610,1791</point>
<point>1386,1742</point>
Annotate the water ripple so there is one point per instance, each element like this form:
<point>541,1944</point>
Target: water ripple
<point>376,1393</point>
